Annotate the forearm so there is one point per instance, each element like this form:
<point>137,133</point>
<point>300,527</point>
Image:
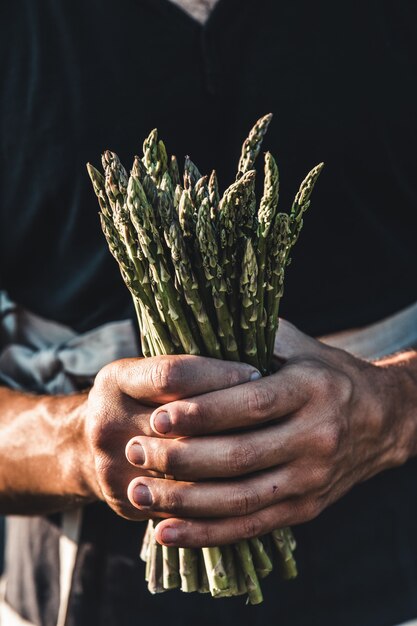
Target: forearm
<point>42,458</point>
<point>401,395</point>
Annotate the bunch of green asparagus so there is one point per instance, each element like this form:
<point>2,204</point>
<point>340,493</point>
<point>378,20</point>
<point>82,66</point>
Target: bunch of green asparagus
<point>206,273</point>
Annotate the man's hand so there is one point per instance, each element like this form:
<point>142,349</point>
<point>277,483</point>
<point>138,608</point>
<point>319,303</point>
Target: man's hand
<point>120,404</point>
<point>57,452</point>
<point>301,439</point>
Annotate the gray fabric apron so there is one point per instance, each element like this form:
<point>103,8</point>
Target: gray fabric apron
<point>45,357</point>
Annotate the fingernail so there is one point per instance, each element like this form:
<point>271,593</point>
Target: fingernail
<point>161,422</point>
<point>136,454</point>
<point>255,375</point>
<point>169,535</point>
<point>142,496</point>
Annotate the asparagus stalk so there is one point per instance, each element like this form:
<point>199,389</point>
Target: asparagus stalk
<point>188,222</point>
<point>155,582</point>
<point>230,569</point>
<point>174,170</point>
<point>266,214</point>
<point>231,207</point>
<point>290,538</point>
<point>176,258</point>
<point>213,189</point>
<point>191,174</point>
<point>202,574</point>
<point>210,257</point>
<point>133,284</point>
<point>302,202</point>
<point>170,568</point>
<point>249,306</point>
<point>98,183</point>
<point>284,545</point>
<point>252,145</point>
<point>261,560</point>
<point>284,236</point>
<point>144,223</point>
<point>189,284</point>
<point>241,580</point>
<point>154,156</point>
<point>187,218</point>
<point>116,189</point>
<point>251,579</point>
<point>280,243</point>
<point>216,572</point>
<point>188,560</point>
<point>145,544</point>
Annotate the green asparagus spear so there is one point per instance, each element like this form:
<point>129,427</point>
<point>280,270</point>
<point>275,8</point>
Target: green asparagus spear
<point>144,222</point>
<point>213,188</point>
<point>191,174</point>
<point>216,573</point>
<point>214,274</point>
<point>249,305</point>
<point>188,559</point>
<point>154,156</point>
<point>283,544</point>
<point>266,215</point>
<point>170,568</point>
<point>189,283</point>
<point>174,171</point>
<point>251,579</point>
<point>261,560</point>
<point>252,145</point>
<point>280,242</point>
<point>232,205</point>
<point>302,202</point>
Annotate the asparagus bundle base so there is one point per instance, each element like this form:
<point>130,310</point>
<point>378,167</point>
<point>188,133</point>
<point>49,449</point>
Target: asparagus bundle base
<point>206,274</point>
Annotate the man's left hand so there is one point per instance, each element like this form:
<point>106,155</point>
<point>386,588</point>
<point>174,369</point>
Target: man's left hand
<point>274,452</point>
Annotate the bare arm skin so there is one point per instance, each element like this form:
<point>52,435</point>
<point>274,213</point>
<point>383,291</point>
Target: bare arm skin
<point>41,441</point>
<point>58,452</point>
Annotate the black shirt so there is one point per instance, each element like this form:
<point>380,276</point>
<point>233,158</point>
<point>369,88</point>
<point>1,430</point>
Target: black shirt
<point>79,77</point>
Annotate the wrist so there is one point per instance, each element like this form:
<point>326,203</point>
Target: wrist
<point>399,404</point>
<point>79,471</point>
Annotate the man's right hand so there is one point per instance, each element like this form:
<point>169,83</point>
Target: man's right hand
<point>121,402</point>
<point>57,452</point>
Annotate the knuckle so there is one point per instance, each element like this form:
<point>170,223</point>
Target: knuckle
<point>304,510</point>
<point>330,438</point>
<point>260,401</point>
<point>168,459</point>
<point>244,501</point>
<point>310,509</point>
<point>188,417</point>
<point>322,381</point>
<point>104,376</point>
<point>250,526</point>
<point>241,458</point>
<point>332,384</point>
<point>192,416</point>
<point>320,476</point>
<point>345,389</point>
<point>166,375</point>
